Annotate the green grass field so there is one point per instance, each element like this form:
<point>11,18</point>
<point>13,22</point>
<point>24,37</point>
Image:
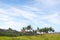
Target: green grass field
<point>38,37</point>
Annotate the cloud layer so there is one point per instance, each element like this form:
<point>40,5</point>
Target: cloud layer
<point>38,13</point>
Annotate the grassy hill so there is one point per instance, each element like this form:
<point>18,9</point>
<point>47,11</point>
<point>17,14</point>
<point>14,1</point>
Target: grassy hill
<point>35,37</point>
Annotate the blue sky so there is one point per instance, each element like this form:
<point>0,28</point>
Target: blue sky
<point>38,13</point>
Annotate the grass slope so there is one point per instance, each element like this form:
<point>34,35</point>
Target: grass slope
<point>38,37</point>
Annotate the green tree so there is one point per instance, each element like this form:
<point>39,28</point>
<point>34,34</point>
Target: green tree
<point>46,29</point>
<point>29,27</point>
<point>38,29</point>
<point>51,29</point>
<point>23,28</point>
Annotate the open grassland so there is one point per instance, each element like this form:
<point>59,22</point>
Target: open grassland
<point>35,37</point>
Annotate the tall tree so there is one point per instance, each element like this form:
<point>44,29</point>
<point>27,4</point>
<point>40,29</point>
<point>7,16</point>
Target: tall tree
<point>23,29</point>
<point>51,29</point>
<point>29,27</point>
<point>38,29</point>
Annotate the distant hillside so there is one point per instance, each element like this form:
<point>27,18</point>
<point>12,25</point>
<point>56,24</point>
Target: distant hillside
<point>9,32</point>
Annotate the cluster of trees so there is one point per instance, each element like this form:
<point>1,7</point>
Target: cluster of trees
<point>29,29</point>
<point>46,29</point>
<point>25,31</point>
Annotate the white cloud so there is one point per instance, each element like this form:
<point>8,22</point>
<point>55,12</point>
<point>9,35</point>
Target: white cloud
<point>48,2</point>
<point>14,25</point>
<point>18,12</point>
<point>50,16</point>
<point>53,18</point>
<point>8,15</point>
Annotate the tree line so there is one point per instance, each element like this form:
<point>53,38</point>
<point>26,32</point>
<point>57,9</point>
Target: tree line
<point>25,31</point>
